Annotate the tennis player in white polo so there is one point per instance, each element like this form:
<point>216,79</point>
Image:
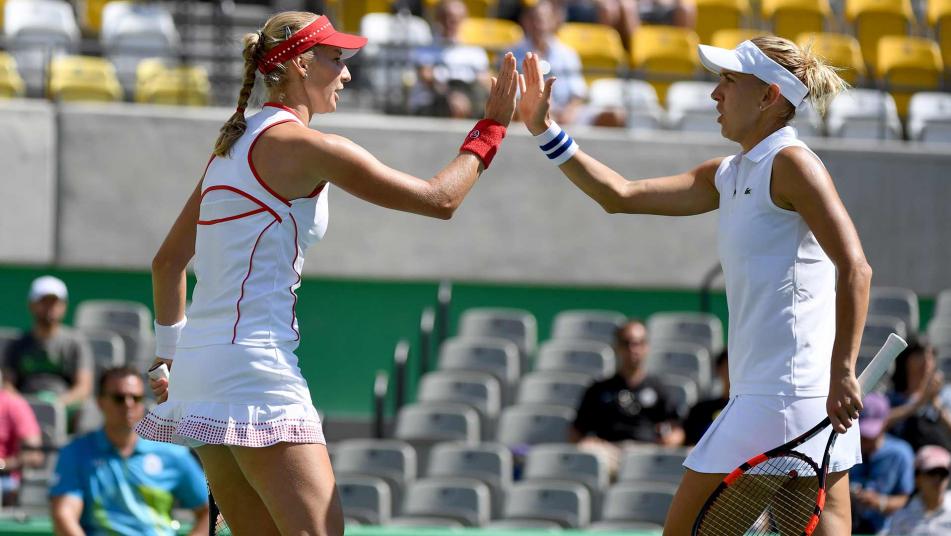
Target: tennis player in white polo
<point>797,281</point>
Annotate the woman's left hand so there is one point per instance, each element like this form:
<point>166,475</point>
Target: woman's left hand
<point>845,401</point>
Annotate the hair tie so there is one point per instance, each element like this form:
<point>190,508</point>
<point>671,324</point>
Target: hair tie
<point>239,110</point>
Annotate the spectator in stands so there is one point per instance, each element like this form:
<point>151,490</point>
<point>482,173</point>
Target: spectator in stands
<point>452,78</point>
<point>629,406</point>
<point>703,413</point>
<point>919,399</point>
<point>928,513</point>
<point>51,361</point>
<point>20,442</point>
<point>111,481</point>
<point>882,484</point>
<point>626,16</point>
<point>540,22</point>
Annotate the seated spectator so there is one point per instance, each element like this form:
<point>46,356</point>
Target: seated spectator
<point>626,16</point>
<point>111,481</point>
<point>629,406</point>
<point>51,361</point>
<point>667,12</point>
<point>919,399</point>
<point>703,413</point>
<point>20,442</point>
<point>452,78</point>
<point>567,96</point>
<point>928,513</point>
<point>881,484</point>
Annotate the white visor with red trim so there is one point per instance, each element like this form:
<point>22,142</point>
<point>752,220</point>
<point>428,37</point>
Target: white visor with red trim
<point>747,58</point>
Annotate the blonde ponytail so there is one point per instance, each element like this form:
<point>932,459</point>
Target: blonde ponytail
<point>820,78</point>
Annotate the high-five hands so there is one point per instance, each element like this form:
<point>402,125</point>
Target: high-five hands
<point>534,105</point>
<point>500,105</point>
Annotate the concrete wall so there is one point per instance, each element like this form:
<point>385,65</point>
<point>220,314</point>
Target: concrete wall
<point>126,170</point>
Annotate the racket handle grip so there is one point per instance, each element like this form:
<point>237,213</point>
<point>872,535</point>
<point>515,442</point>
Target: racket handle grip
<point>159,372</point>
<point>881,362</point>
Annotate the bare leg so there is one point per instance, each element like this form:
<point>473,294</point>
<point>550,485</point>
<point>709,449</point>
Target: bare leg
<point>837,517</point>
<point>693,492</point>
<point>240,505</point>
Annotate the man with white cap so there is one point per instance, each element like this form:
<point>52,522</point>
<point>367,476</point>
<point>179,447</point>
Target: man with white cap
<point>50,361</point>
<point>929,511</point>
<point>797,281</point>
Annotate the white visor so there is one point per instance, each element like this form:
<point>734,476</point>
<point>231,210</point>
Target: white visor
<point>749,59</point>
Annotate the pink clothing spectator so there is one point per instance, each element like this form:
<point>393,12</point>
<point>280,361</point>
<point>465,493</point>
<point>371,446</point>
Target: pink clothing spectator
<point>17,423</point>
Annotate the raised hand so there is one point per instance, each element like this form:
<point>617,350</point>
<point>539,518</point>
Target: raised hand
<point>500,105</point>
<point>536,95</point>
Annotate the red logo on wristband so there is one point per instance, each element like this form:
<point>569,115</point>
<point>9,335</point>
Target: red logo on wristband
<point>474,134</point>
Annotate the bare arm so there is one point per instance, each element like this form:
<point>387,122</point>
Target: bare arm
<point>801,183</point>
<point>66,511</point>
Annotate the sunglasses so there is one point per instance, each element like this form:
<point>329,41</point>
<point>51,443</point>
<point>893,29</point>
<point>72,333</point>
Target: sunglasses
<point>119,398</point>
<point>937,472</point>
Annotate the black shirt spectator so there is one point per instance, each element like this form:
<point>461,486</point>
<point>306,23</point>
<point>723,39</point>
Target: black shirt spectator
<point>703,413</point>
<point>615,411</point>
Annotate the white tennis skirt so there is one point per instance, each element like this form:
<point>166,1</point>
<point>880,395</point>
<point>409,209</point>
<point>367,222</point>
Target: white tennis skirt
<point>752,424</point>
<point>231,394</point>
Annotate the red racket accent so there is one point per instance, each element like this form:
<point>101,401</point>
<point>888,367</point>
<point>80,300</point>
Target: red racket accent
<point>813,523</point>
<point>731,478</point>
<point>821,499</point>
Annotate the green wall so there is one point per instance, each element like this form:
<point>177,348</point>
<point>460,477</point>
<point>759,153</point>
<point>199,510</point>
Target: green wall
<point>350,327</point>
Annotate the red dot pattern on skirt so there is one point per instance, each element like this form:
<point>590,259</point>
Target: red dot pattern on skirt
<point>217,432</point>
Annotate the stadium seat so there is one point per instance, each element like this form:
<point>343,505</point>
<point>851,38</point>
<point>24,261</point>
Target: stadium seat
<point>516,325</point>
<point>651,464</point>
<point>874,19</point>
<point>553,388</point>
<point>108,348</point>
<point>878,327</point>
<point>351,13</point>
<point>863,114</point>
<point>681,390</point>
<point>7,336</point>
<point>908,64</point>
<point>365,499</point>
<point>464,500</point>
<point>587,324</point>
<point>642,110</point>
<point>475,8</point>
<point>929,117</point>
<point>498,357</point>
<point>789,18</point>
<point>939,19</point>
<point>132,32</point>
<point>713,15</point>
<point>807,121</point>
<point>425,522</point>
<point>186,85</point>
<point>91,15</point>
<point>700,328</point>
<point>939,332</point>
<point>565,503</point>
<point>11,84</point>
<point>130,320</point>
<point>51,417</point>
<point>531,424</point>
<point>437,421</point>
<point>731,37</point>
<point>490,463</point>
<point>594,359</point>
<point>638,502</point>
<point>599,47</point>
<point>626,526</point>
<point>942,304</point>
<point>523,524</point>
<point>494,35</point>
<point>387,57</point>
<point>663,54</point>
<point>83,78</point>
<point>477,389</point>
<point>691,108</point>
<point>567,462</point>
<point>839,50</point>
<point>901,303</point>
<point>35,31</point>
<point>683,358</point>
<point>393,461</point>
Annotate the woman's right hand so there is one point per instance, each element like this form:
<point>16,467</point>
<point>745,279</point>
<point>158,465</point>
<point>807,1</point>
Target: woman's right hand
<point>500,106</point>
<point>160,386</point>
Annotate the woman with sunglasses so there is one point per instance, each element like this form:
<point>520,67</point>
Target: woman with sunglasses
<point>235,391</point>
<point>928,513</point>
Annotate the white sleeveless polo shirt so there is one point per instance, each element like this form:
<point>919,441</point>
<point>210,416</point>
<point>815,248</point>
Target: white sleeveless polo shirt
<point>780,284</point>
<point>249,249</point>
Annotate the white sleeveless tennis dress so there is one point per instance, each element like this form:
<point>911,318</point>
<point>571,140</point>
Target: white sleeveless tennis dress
<point>780,288</point>
<point>235,379</point>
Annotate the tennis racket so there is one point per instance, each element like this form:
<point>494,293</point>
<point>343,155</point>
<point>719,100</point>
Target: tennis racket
<point>782,491</point>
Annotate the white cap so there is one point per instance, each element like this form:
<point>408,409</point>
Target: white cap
<point>747,58</point>
<point>47,285</point>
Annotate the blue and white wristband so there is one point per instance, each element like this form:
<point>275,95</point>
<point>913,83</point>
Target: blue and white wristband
<point>557,145</point>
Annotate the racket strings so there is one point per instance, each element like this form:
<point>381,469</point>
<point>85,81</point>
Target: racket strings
<point>776,496</point>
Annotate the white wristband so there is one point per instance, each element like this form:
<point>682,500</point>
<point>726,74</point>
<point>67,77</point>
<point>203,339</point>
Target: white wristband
<point>557,145</point>
<point>166,338</point>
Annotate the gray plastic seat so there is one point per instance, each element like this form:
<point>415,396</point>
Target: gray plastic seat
<point>531,424</point>
<point>466,500</point>
<point>425,521</point>
<point>567,462</point>
<point>130,320</point>
<point>477,389</point>
<point>520,524</point>
<point>51,417</point>
<point>553,388</point>
<point>638,502</point>
<point>685,359</point>
<point>939,332</point>
<point>942,304</point>
<point>565,503</point>
<point>682,391</point>
<point>426,423</point>
<point>879,327</point>
<point>108,349</point>
<point>699,328</point>
<point>393,461</point>
<point>652,464</point>
<point>592,358</point>
<point>498,357</point>
<point>516,325</point>
<point>490,463</point>
<point>642,528</point>
<point>901,303</point>
<point>588,325</point>
<point>365,499</point>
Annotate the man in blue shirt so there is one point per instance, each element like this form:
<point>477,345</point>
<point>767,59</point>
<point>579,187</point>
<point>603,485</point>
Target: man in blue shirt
<point>882,483</point>
<point>113,482</point>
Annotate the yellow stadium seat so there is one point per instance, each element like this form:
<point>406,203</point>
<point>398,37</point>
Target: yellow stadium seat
<point>494,35</point>
<point>11,85</point>
<point>908,64</point>
<point>939,18</point>
<point>874,19</point>
<point>183,85</point>
<point>790,18</point>
<point>838,50</point>
<point>664,54</point>
<point>350,12</point>
<point>713,15</point>
<point>476,8</point>
<point>731,37</point>
<point>598,46</point>
<point>83,78</point>
<point>90,14</point>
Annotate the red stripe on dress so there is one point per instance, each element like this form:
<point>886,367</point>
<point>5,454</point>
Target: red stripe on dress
<point>254,171</point>
<point>230,218</point>
<point>318,189</point>
<point>234,335</point>
<point>291,288</point>
<point>244,194</point>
